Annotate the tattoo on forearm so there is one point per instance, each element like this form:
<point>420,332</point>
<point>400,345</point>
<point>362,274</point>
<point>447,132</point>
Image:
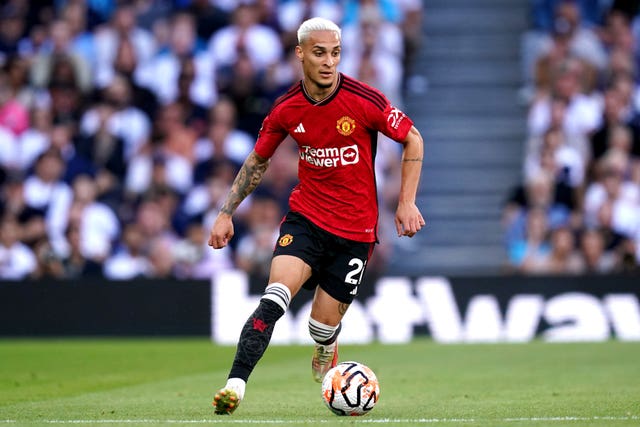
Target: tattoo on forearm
<point>416,159</point>
<point>342,308</point>
<point>245,182</point>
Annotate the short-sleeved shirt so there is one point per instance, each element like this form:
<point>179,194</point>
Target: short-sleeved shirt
<point>337,141</point>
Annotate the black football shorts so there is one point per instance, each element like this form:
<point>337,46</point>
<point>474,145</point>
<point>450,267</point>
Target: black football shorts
<point>338,264</point>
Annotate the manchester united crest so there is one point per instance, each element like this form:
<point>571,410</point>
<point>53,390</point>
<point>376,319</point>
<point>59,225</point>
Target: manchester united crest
<point>346,125</point>
<point>285,240</point>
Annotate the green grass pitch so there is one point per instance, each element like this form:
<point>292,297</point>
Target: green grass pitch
<point>152,382</point>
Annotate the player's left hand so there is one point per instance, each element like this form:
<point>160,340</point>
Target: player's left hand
<point>408,219</point>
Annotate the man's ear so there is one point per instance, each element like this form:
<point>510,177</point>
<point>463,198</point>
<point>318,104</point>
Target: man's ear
<point>299,52</point>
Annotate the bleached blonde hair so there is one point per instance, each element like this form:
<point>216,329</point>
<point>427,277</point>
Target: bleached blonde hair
<point>316,24</point>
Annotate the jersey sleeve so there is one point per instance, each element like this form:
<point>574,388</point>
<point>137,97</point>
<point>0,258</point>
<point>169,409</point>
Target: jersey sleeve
<point>394,123</point>
<point>271,134</point>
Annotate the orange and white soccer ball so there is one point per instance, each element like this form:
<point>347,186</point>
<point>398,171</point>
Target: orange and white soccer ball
<point>350,388</point>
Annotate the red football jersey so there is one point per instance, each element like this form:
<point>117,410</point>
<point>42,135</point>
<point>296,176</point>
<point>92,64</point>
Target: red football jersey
<point>337,141</point>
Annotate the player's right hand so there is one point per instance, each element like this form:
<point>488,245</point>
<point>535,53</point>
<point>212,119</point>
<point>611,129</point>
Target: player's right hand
<point>221,231</point>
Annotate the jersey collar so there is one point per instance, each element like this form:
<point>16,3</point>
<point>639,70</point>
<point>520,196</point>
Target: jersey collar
<point>326,99</point>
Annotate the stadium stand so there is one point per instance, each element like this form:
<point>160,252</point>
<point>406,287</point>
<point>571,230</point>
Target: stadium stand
<point>581,90</point>
<point>527,107</point>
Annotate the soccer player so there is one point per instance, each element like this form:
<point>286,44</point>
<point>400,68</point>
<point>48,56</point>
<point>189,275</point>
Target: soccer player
<point>329,233</point>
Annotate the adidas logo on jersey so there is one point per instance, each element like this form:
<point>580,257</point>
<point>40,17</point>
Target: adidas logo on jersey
<point>299,129</point>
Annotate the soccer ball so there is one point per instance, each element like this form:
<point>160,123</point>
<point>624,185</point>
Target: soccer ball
<point>350,388</point>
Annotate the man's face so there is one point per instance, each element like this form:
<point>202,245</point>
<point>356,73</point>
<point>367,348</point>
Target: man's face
<point>320,56</point>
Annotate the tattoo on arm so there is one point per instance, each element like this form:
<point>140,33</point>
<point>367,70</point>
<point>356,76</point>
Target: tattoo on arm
<point>342,308</point>
<point>417,159</point>
<point>245,182</point>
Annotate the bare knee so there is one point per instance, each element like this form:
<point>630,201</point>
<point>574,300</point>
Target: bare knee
<point>326,309</point>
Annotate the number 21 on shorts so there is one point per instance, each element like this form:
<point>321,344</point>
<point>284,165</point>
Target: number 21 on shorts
<point>354,276</point>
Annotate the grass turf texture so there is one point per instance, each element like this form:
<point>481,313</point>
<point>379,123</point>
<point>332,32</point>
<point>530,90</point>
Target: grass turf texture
<point>168,382</point>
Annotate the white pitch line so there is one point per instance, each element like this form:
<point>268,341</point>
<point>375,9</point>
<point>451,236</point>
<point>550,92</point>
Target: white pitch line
<point>334,420</point>
<point>596,418</point>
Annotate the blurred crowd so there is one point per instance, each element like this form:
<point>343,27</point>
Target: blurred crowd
<point>578,208</point>
<point>123,124</point>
